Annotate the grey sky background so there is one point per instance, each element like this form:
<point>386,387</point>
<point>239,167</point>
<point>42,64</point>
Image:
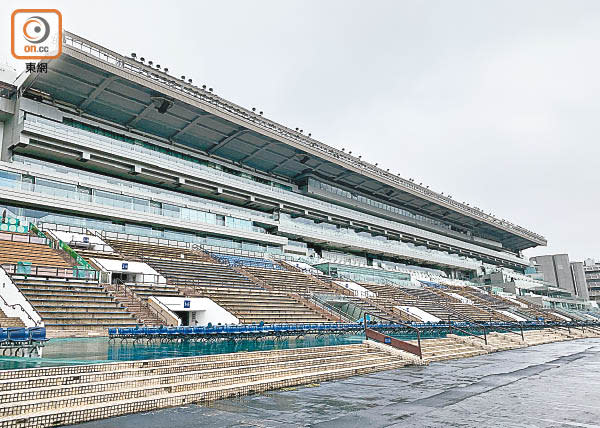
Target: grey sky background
<point>493,102</point>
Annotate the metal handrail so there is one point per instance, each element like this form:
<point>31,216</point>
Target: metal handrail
<point>22,237</point>
<point>118,283</point>
<point>314,299</point>
<point>484,338</point>
<point>37,323</point>
<point>47,271</point>
<point>399,323</point>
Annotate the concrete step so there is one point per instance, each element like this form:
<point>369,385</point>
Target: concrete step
<point>137,392</point>
<point>148,382</point>
<point>52,372</point>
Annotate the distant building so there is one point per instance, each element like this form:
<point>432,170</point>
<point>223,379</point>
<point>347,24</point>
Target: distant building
<point>562,273</point>
<point>592,278</point>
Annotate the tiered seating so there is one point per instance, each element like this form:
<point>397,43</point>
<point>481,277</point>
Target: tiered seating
<point>436,302</point>
<point>12,252</point>
<point>73,304</point>
<point>386,291</point>
<point>198,274</point>
<point>146,290</point>
<point>246,261</point>
<point>294,282</point>
<point>536,312</point>
<point>63,304</point>
<point>470,312</point>
<point>6,321</point>
<point>139,250</point>
<point>253,305</point>
<point>419,298</point>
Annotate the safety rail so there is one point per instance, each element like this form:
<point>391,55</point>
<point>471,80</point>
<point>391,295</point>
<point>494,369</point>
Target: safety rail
<point>33,228</point>
<point>51,271</point>
<point>370,333</point>
<point>37,323</point>
<point>22,237</point>
<point>468,333</point>
<point>233,331</point>
<point>246,261</point>
<point>152,240</point>
<point>319,301</point>
<point>119,285</point>
<point>92,246</point>
<point>76,258</point>
<point>18,305</point>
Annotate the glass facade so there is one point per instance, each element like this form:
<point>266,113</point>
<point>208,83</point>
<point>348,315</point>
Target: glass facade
<point>375,204</point>
<point>374,243</point>
<point>115,200</point>
<point>175,154</point>
<point>41,216</point>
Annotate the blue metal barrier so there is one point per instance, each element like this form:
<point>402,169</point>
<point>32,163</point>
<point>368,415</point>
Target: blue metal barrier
<point>257,331</point>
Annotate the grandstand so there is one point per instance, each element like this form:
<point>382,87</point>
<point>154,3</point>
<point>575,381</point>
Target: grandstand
<point>125,190</point>
<point>140,206</point>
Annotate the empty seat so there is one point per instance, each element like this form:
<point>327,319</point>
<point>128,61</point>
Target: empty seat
<point>252,305</point>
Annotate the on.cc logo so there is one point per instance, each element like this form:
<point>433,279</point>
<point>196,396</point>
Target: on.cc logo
<point>36,29</point>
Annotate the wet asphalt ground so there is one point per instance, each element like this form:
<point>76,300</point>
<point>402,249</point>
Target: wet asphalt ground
<point>553,385</point>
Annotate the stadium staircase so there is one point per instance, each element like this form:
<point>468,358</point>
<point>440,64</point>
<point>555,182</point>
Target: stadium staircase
<point>6,321</point>
<point>76,394</point>
<point>134,298</point>
<point>448,348</point>
<point>68,305</point>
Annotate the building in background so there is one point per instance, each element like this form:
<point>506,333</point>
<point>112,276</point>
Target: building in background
<point>559,271</point>
<point>592,278</point>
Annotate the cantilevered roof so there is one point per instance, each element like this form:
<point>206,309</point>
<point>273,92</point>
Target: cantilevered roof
<point>102,83</point>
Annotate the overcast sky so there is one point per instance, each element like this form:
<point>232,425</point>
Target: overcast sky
<point>496,103</point>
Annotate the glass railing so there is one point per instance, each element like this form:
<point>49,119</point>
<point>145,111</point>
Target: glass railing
<point>88,138</point>
<point>140,190</point>
<point>393,247</point>
<point>120,148</point>
<point>74,195</point>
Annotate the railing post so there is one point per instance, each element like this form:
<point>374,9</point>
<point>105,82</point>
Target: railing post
<point>484,335</point>
<point>522,335</point>
<point>419,343</point>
